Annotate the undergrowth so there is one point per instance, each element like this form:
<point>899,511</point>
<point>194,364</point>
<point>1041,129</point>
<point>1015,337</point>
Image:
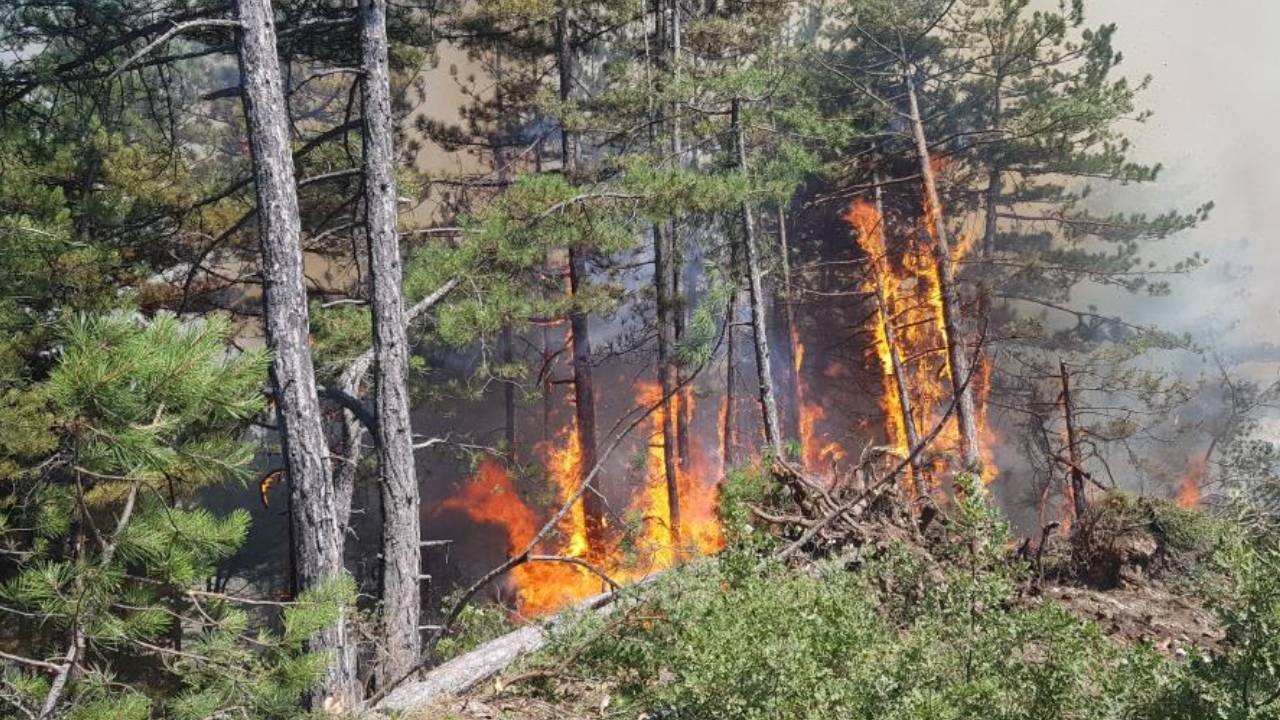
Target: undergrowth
<point>911,636</point>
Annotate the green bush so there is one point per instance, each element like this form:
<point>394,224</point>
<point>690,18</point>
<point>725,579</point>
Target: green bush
<point>899,638</point>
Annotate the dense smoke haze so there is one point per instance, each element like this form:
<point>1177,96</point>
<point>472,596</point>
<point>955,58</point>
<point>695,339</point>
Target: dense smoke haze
<point>1213,130</point>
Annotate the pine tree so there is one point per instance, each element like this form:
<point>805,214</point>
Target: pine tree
<point>105,557</point>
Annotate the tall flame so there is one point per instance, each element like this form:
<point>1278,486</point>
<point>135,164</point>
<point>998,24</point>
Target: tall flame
<point>818,453</point>
<point>910,332</point>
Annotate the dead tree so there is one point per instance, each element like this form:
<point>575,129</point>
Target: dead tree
<point>398,481</point>
<point>1076,470</point>
<point>316,527</point>
<point>755,288</point>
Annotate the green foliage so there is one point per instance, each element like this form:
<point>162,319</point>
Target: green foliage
<point>159,400</point>
<point>744,487</point>
<point>1240,680</point>
<point>898,638</point>
<point>101,544</point>
<point>475,625</point>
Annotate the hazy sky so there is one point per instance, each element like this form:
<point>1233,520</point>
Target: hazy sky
<point>1216,98</point>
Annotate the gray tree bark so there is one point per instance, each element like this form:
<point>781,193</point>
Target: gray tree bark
<point>398,480</point>
<point>681,402</point>
<point>755,288</point>
<point>316,527</point>
<point>959,362</point>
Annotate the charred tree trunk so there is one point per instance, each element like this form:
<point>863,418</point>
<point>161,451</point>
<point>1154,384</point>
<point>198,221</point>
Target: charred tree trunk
<point>755,288</point>
<point>584,397</point>
<point>1079,502</point>
<point>317,530</point>
<point>401,525</point>
<point>951,320</point>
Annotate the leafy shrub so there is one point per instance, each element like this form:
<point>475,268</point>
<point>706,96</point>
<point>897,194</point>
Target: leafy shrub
<point>899,638</point>
<point>1241,681</point>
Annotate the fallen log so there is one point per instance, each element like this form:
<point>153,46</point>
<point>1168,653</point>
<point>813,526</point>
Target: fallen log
<point>466,671</point>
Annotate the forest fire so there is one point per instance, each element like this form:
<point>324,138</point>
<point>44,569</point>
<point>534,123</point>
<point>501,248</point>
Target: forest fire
<point>490,497</point>
<point>818,454</point>
<point>1188,496</point>
<point>909,338</point>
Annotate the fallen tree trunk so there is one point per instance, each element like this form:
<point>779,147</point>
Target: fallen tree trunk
<point>465,672</point>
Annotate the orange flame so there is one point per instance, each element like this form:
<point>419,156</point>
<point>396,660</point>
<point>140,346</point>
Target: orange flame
<point>490,497</point>
<point>907,281</point>
<point>1189,488</point>
<point>817,453</point>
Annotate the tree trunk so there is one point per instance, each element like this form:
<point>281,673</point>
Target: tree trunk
<point>727,426</point>
<point>681,401</point>
<point>759,326</point>
<point>401,520</point>
<point>956,358</point>
<point>665,278</point>
<point>317,530</point>
<point>1079,502</point>
<point>584,398</point>
<point>791,328</point>
<point>666,384</point>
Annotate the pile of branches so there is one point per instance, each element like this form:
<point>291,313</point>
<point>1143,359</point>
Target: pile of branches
<point>856,507</point>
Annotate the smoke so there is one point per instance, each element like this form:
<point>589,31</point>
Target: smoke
<point>1214,102</point>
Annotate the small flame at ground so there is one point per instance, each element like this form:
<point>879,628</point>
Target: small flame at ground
<point>490,497</point>
<point>1189,488</point>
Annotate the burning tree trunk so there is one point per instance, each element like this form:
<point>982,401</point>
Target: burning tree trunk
<point>664,281</point>
<point>1079,504</point>
<point>957,361</point>
<point>316,527</point>
<point>897,371</point>
<point>584,397</point>
<point>661,279</point>
<point>764,372</point>
<point>398,481</point>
